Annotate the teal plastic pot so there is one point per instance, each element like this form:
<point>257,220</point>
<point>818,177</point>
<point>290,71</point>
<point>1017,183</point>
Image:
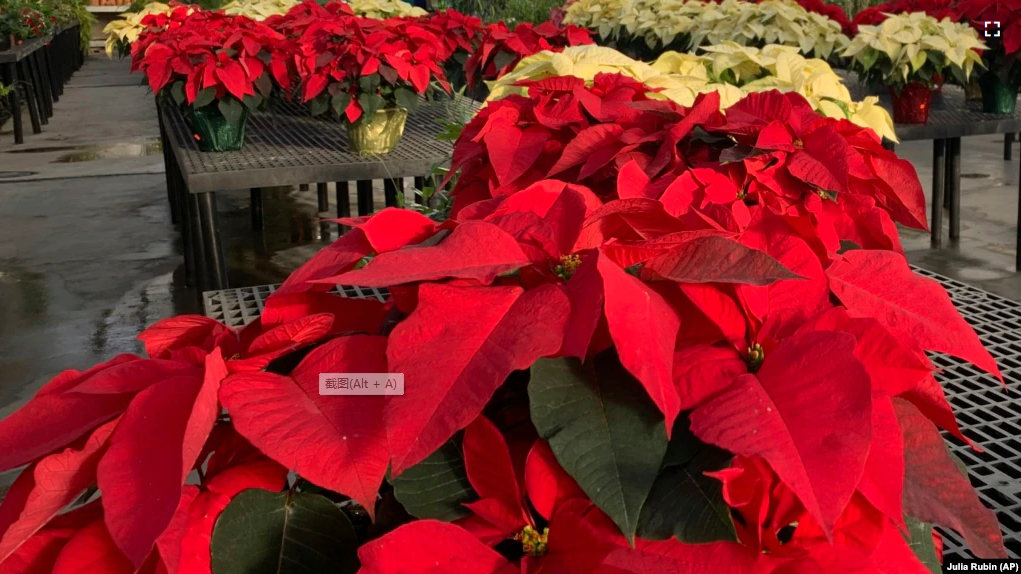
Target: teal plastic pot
<point>213,132</point>
<point>997,97</point>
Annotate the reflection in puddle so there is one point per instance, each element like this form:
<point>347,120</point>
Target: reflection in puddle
<point>141,148</point>
<point>108,151</point>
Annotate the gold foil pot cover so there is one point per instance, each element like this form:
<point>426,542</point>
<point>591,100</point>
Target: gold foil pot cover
<point>378,134</point>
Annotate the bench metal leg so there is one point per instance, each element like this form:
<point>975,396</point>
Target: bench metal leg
<point>215,272</point>
<point>1017,258</point>
<point>255,195</point>
<point>50,61</point>
<point>419,186</point>
<point>175,215</point>
<point>198,252</point>
<point>938,178</point>
<point>323,195</point>
<point>391,187</point>
<point>953,187</point>
<point>26,83</point>
<point>45,111</point>
<point>1008,146</point>
<point>42,70</point>
<point>14,101</point>
<point>343,198</point>
<point>364,188</point>
<point>189,224</point>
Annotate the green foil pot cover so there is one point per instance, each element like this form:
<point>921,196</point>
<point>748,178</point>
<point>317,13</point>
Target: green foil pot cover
<point>997,97</point>
<point>378,134</point>
<point>213,132</point>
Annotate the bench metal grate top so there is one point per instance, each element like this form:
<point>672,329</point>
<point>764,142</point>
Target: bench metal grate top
<point>287,144</point>
<point>23,50</point>
<point>951,115</point>
<point>987,415</point>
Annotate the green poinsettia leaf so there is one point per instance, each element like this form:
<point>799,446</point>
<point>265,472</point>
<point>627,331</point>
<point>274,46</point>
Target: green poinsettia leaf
<point>253,102</point>
<point>177,92</point>
<point>922,544</point>
<point>231,110</point>
<point>369,83</point>
<point>437,487</point>
<point>684,502</point>
<point>370,104</point>
<point>204,98</point>
<point>604,430</point>
<point>262,532</point>
<point>264,85</point>
<point>319,104</point>
<point>406,99</point>
<point>340,102</point>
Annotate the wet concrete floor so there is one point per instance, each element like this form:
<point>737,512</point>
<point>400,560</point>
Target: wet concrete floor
<point>89,257</point>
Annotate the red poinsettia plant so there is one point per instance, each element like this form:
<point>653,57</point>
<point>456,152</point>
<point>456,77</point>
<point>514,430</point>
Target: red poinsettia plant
<point>357,66</point>
<point>500,48</point>
<point>197,59</point>
<point>459,34</point>
<point>690,345</point>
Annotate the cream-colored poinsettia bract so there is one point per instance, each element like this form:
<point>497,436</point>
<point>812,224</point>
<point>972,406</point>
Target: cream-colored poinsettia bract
<point>383,9</point>
<point>259,10</point>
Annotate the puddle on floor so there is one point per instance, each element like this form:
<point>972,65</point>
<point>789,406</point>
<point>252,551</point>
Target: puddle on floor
<point>92,152</point>
<point>14,174</point>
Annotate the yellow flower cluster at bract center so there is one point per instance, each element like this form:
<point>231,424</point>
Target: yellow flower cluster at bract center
<point>695,23</point>
<point>259,10</point>
<point>904,43</point>
<point>125,30</point>
<point>729,68</point>
<point>383,9</point>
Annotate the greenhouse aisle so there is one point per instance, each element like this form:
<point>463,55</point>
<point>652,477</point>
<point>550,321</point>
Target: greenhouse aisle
<point>88,255</point>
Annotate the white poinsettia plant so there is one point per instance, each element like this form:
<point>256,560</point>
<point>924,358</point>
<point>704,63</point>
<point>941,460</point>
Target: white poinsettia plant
<point>383,9</point>
<point>914,47</point>
<point>730,69</point>
<point>259,10</point>
<point>659,24</point>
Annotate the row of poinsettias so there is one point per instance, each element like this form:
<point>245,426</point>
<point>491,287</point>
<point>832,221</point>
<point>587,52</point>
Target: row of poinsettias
<point>327,56</point>
<point>648,339</point>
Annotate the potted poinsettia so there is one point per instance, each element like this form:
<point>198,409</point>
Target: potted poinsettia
<point>909,54</point>
<point>213,67</point>
<point>612,361</point>
<point>1001,80</point>
<point>501,48</point>
<point>370,72</point>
